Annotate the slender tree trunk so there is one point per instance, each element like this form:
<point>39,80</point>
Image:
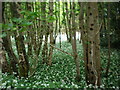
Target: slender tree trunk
<point>45,29</point>
<point>56,23</point>
<point>70,23</point>
<point>68,37</point>
<point>59,26</point>
<point>4,66</point>
<point>74,46</point>
<point>83,30</point>
<point>68,17</point>
<point>65,21</point>
<point>51,34</point>
<point>40,33</point>
<point>108,34</point>
<point>45,50</point>
<point>28,5</point>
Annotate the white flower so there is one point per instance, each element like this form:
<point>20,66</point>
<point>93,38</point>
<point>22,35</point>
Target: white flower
<point>61,85</point>
<point>113,87</point>
<point>22,85</point>
<point>4,84</point>
<point>8,81</point>
<point>63,82</point>
<point>73,84</point>
<point>76,86</point>
<point>34,86</point>
<point>15,81</point>
<point>28,87</point>
<point>8,87</point>
<point>90,85</point>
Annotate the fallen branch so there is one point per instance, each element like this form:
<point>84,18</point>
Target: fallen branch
<point>60,49</point>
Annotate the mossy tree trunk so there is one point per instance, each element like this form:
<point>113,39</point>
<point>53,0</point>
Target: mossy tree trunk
<point>19,38</point>
<point>8,45</point>
<point>4,66</point>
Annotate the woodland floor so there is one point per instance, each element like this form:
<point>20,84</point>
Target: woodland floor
<point>62,72</point>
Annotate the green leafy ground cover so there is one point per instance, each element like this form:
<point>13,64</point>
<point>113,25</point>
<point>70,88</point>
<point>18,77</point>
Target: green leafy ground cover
<point>62,72</point>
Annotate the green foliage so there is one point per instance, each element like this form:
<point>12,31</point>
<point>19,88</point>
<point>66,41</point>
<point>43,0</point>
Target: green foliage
<point>114,25</point>
<point>18,22</point>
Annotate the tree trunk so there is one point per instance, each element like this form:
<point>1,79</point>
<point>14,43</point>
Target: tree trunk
<point>4,67</point>
<point>74,46</point>
<point>108,34</point>
<point>19,38</point>
<point>8,46</point>
<point>51,34</point>
<point>91,45</point>
<point>29,8</point>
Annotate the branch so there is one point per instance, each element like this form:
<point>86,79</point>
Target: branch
<point>60,49</point>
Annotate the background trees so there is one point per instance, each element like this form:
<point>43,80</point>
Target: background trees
<point>30,31</point>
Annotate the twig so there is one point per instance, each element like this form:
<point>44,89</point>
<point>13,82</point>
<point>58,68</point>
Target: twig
<point>99,27</point>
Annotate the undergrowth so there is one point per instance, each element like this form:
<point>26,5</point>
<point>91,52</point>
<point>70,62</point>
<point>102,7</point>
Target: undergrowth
<point>62,72</point>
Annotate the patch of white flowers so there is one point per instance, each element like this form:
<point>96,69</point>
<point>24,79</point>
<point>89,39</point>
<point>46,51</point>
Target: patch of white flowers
<point>102,86</point>
<point>38,83</point>
<point>74,85</point>
<point>22,85</point>
<point>46,85</point>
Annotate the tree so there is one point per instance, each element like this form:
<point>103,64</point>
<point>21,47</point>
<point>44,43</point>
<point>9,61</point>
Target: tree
<point>91,42</point>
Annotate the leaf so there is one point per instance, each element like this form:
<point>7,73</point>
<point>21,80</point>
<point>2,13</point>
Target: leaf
<point>64,13</point>
<point>26,23</point>
<point>23,11</point>
<point>87,42</point>
<point>63,21</point>
<point>56,12</point>
<point>51,19</point>
<point>22,29</point>
<point>17,20</point>
<point>14,29</point>
<point>3,35</point>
